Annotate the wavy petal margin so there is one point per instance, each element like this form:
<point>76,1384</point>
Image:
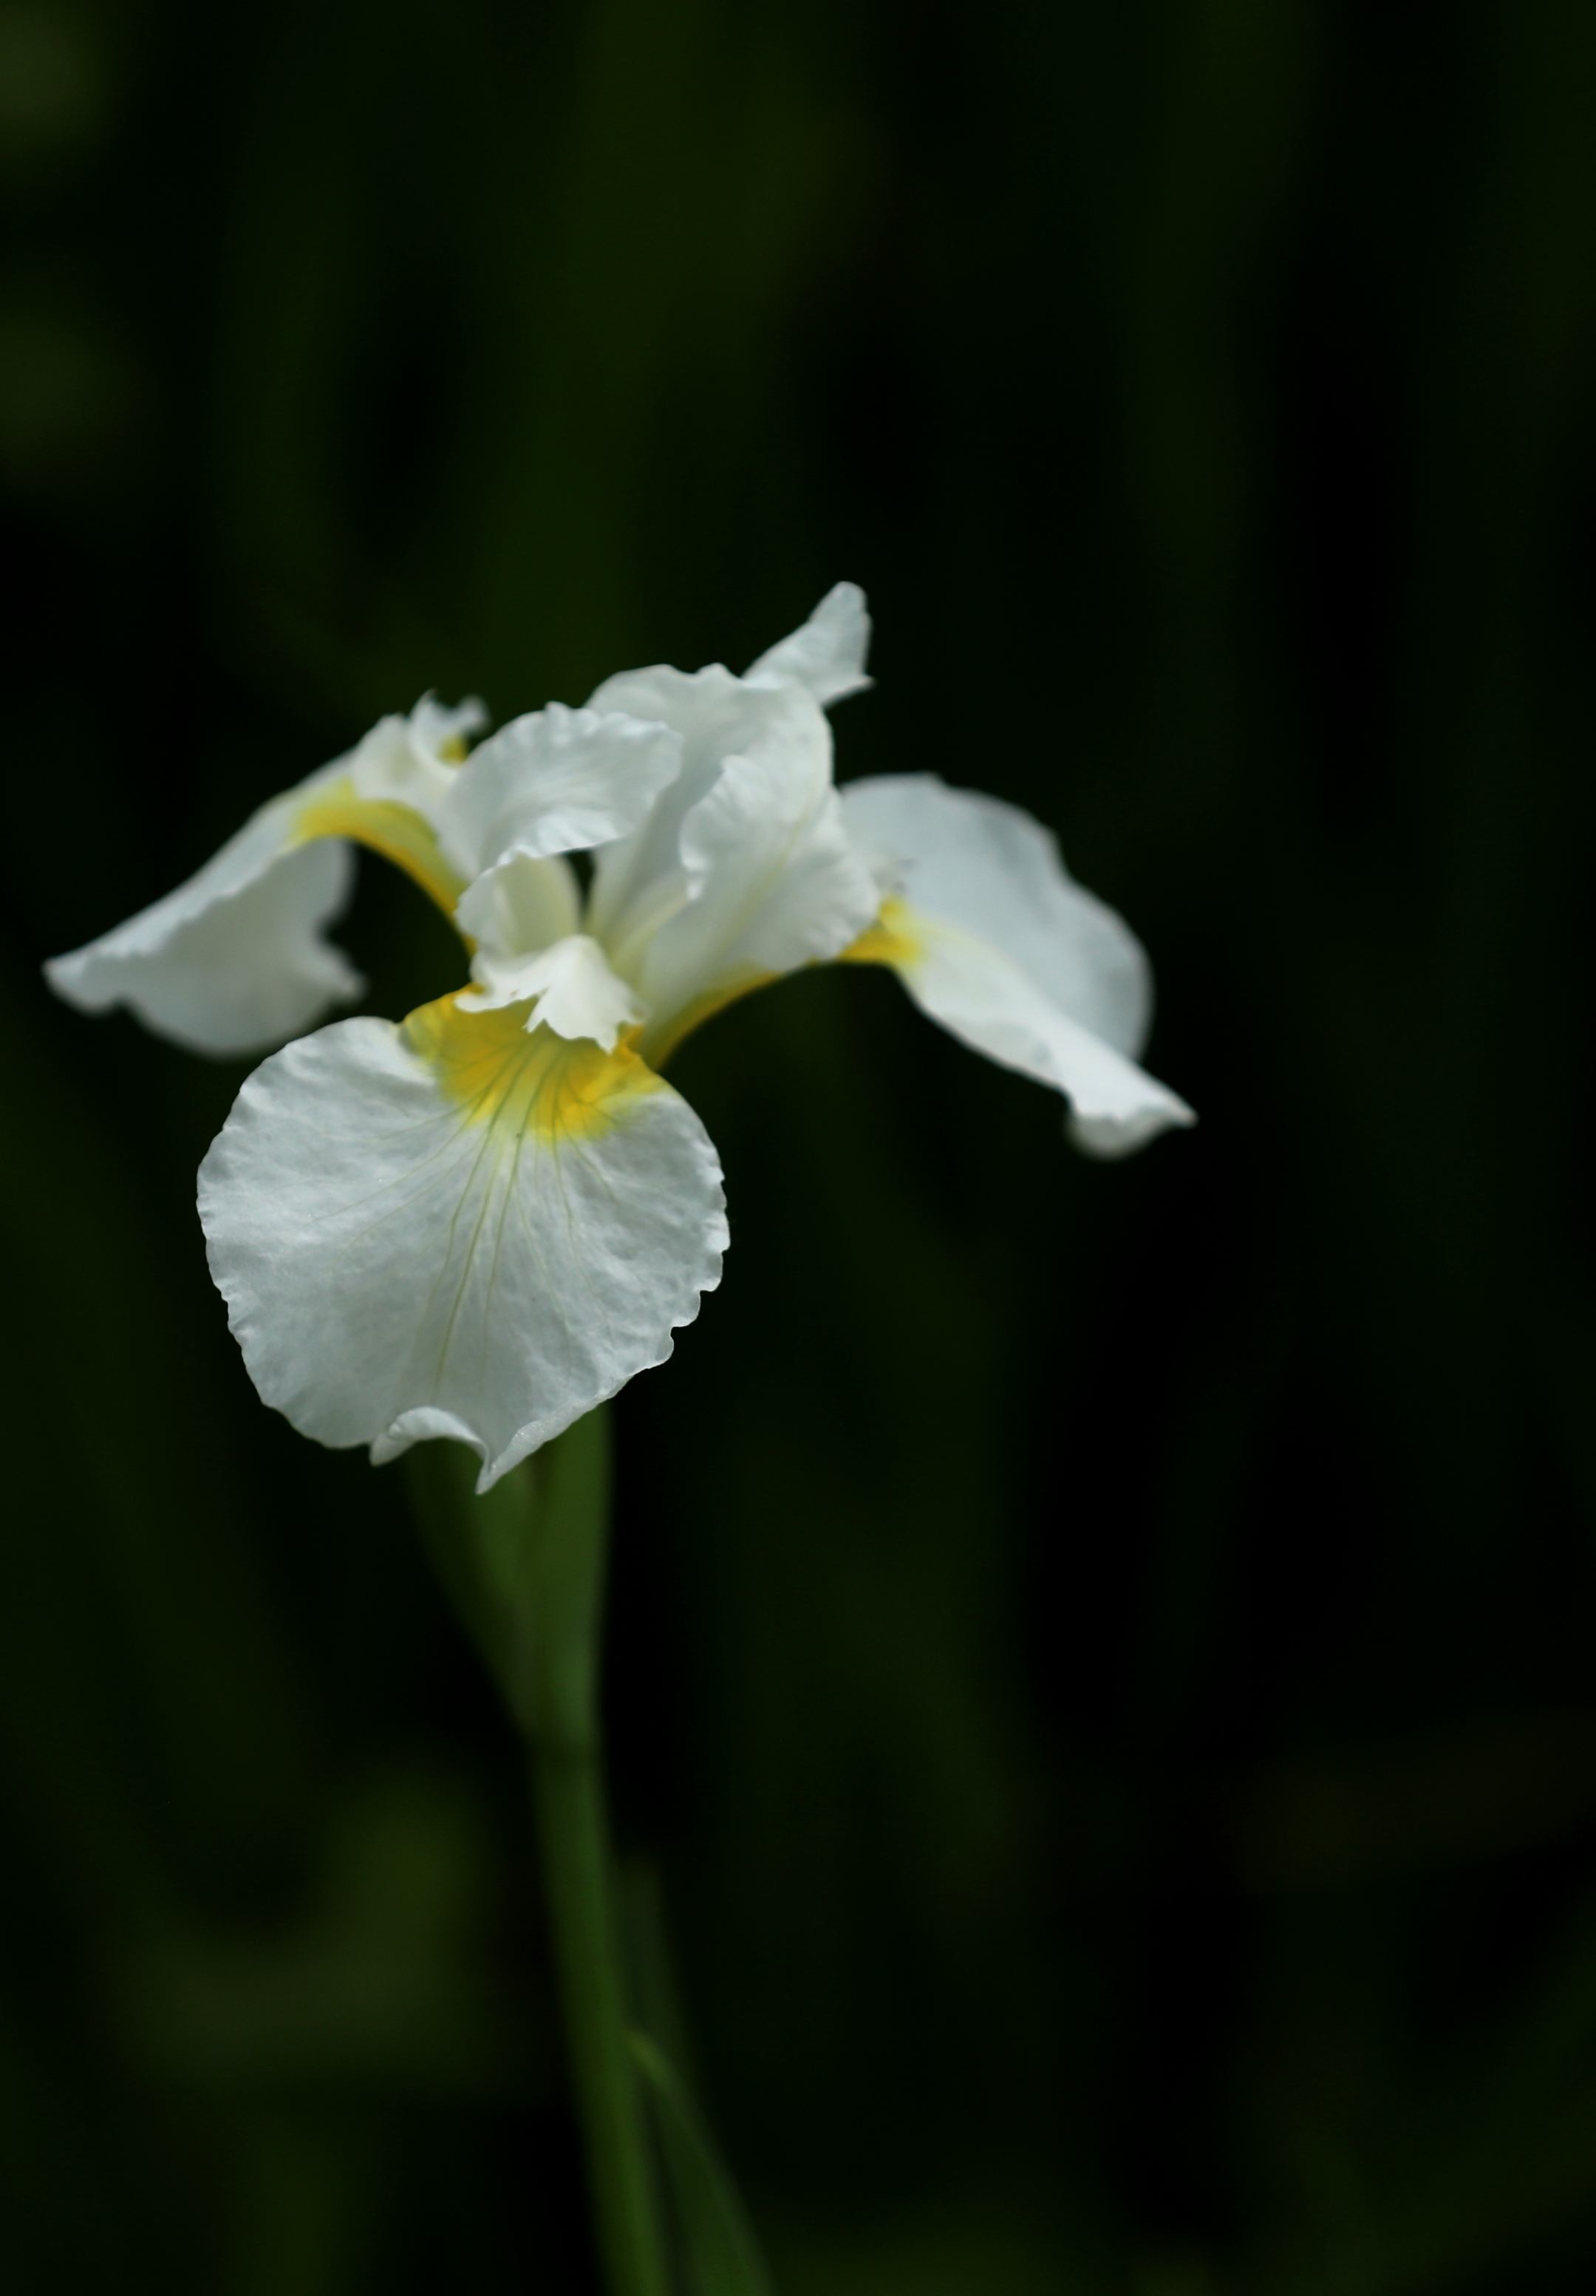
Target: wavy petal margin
<point>456,1229</point>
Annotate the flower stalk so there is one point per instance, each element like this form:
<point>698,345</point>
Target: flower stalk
<point>525,1566</point>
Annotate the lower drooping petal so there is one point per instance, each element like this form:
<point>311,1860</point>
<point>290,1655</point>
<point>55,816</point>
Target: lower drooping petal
<point>456,1229</point>
<point>994,939</point>
<point>236,958</point>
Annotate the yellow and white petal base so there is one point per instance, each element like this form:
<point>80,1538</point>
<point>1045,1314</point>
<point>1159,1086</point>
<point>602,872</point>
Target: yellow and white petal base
<point>568,986</point>
<point>456,1229</point>
<point>236,958</point>
<point>414,761</point>
<point>995,941</point>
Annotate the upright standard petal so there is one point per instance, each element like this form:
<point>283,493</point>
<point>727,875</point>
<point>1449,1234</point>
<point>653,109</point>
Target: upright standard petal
<point>774,883</point>
<point>994,939</point>
<point>556,781</point>
<point>744,870</point>
<point>522,903</point>
<point>236,959</point>
<point>644,880</point>
<point>639,881</point>
<point>412,761</point>
<point>456,1229</point>
<point>827,654</point>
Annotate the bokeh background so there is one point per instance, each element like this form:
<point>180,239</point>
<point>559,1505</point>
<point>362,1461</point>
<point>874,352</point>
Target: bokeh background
<point>1102,1683</point>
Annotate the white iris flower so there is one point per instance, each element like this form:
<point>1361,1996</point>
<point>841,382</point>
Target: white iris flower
<point>482,1222</point>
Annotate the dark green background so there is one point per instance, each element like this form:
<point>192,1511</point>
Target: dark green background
<point>1102,1670</point>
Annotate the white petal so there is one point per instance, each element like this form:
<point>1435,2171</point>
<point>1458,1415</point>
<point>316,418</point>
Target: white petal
<point>744,870</point>
<point>995,941</point>
<point>639,881</point>
<point>976,862</point>
<point>575,992</point>
<point>234,959</point>
<point>456,1229</point>
<point>415,761</point>
<point>525,904</point>
<point>827,655</point>
<point>776,883</point>
<point>441,729</point>
<point>556,781</point>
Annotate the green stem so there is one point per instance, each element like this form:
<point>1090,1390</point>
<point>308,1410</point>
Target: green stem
<point>529,1575</point>
<point>569,1800</point>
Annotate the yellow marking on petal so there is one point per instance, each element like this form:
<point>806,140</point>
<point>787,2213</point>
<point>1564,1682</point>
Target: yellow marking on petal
<point>397,831</point>
<point>892,939</point>
<point>558,1087</point>
<point>657,1044</point>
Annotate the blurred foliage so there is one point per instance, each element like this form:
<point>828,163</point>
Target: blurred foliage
<point>1100,1667</point>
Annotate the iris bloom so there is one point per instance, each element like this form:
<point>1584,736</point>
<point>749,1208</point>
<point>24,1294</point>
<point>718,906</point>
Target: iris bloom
<point>482,1221</point>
